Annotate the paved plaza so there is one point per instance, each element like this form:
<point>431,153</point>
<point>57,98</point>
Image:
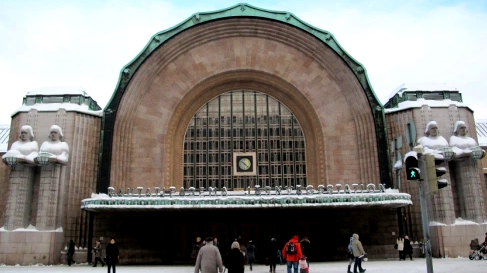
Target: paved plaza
<point>448,265</point>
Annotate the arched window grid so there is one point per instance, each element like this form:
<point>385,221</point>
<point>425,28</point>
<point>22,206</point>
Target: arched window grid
<point>244,121</point>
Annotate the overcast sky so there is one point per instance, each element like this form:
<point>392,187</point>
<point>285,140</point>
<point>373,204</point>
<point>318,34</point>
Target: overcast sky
<point>87,42</point>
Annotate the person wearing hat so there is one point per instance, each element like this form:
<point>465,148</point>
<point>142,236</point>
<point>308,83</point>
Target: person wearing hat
<point>209,259</point>
<point>235,261</point>
<point>292,254</point>
<point>358,253</point>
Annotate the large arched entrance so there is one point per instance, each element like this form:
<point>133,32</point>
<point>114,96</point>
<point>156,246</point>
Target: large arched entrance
<point>243,122</point>
<point>236,81</point>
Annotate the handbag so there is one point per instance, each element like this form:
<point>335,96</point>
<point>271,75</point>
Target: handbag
<point>395,246</point>
<point>266,261</point>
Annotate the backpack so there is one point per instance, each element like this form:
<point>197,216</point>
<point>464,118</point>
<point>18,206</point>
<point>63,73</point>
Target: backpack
<point>350,248</point>
<point>291,248</point>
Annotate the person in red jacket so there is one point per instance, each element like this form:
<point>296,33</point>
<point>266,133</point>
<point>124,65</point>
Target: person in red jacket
<point>292,253</point>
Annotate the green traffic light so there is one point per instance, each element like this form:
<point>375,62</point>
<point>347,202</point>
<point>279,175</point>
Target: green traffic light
<point>413,174</point>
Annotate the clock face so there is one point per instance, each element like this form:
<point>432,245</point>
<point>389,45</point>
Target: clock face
<point>244,164</point>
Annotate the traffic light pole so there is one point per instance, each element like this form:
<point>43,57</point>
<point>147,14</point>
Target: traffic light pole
<point>424,215</point>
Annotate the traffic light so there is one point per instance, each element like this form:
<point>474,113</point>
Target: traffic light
<point>412,169</point>
<point>434,172</point>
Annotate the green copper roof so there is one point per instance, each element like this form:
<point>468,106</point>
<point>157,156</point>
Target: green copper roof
<point>241,10</point>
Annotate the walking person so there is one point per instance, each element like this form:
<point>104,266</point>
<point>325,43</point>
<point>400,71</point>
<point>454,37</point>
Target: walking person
<point>408,249</point>
<point>209,259</point>
<point>305,248</point>
<point>217,244</point>
<point>350,256</point>
<point>234,260</point>
<point>98,253</point>
<point>292,253</point>
<point>250,254</point>
<point>69,256</point>
<point>358,253</point>
<point>400,247</point>
<point>273,254</point>
<point>112,255</point>
<point>196,248</point>
<point>303,265</point>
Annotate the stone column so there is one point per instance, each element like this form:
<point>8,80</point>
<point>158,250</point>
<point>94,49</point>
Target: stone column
<point>441,206</point>
<point>19,202</point>
<point>49,206</point>
<point>468,183</point>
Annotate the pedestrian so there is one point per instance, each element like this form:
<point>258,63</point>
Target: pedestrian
<point>216,243</point>
<point>243,249</point>
<point>234,260</point>
<point>98,253</point>
<point>196,248</point>
<point>305,248</point>
<point>209,259</point>
<point>358,253</point>
<point>292,253</point>
<point>250,254</point>
<point>69,256</point>
<point>112,255</point>
<point>303,265</point>
<point>350,256</point>
<point>273,254</point>
<point>400,247</point>
<point>408,249</point>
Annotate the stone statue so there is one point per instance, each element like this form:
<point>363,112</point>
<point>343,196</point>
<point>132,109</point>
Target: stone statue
<point>54,150</point>
<point>24,150</point>
<point>432,142</point>
<point>461,144</point>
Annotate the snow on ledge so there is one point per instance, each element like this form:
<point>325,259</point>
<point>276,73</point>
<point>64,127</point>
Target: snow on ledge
<point>52,107</point>
<point>458,222</point>
<point>30,228</point>
<point>420,102</point>
<point>58,90</point>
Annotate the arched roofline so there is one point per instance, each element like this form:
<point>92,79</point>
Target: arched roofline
<point>239,10</point>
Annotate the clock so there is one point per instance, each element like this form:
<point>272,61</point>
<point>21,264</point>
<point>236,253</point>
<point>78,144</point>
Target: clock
<point>244,163</point>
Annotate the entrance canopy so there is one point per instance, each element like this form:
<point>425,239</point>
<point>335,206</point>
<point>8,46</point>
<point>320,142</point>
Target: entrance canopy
<point>190,200</point>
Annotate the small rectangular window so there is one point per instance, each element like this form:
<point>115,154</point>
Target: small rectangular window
<point>53,99</point>
<point>433,96</point>
<point>30,101</point>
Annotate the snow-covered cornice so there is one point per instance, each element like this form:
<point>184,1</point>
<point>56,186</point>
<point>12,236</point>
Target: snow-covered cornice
<point>53,107</point>
<point>421,102</point>
<point>360,198</point>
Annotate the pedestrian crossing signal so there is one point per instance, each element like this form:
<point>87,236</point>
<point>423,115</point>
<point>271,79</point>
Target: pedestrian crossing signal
<point>413,174</point>
<point>412,169</point>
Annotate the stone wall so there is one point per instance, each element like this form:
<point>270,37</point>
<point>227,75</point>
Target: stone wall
<point>449,237</point>
<point>77,181</point>
<point>4,184</point>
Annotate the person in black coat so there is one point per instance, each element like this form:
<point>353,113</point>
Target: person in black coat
<point>112,255</point>
<point>408,249</point>
<point>273,254</point>
<point>70,253</point>
<point>306,248</point>
<point>235,260</point>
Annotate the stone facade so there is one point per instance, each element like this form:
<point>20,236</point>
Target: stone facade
<point>56,216</point>
<point>465,195</point>
<point>309,78</point>
<point>142,137</point>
